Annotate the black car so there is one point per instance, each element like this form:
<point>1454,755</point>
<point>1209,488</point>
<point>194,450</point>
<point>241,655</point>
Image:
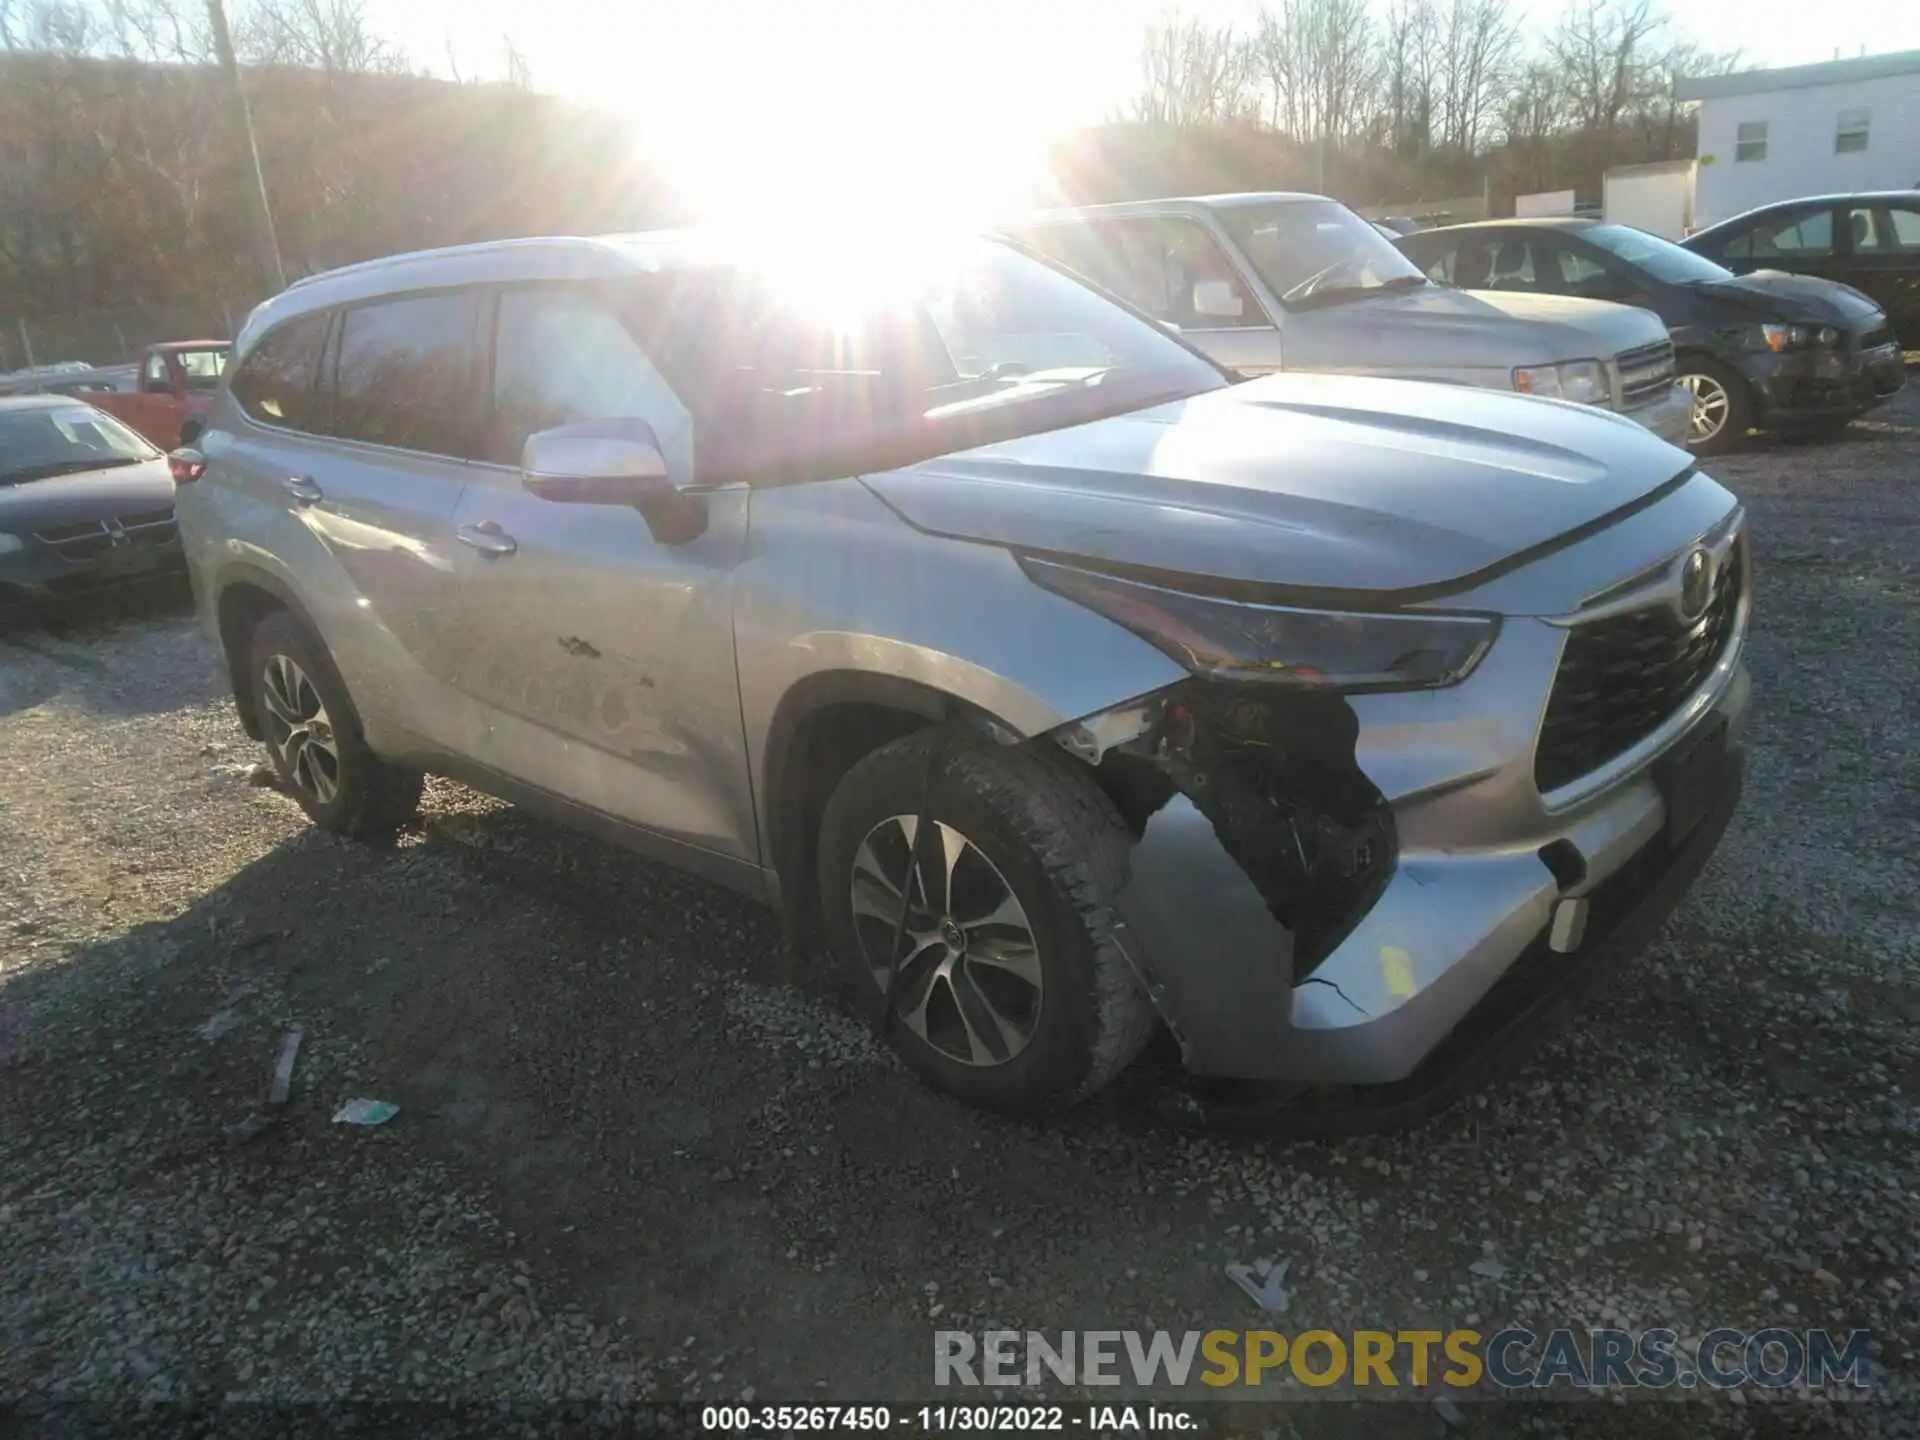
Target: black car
<point>1871,242</point>
<point>83,500</point>
<point>1787,353</point>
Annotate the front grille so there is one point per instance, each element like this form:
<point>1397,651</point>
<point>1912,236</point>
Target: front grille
<point>1622,676</point>
<point>90,539</point>
<point>1873,339</point>
<point>1646,374</point>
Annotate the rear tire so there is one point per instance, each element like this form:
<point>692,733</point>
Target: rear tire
<point>1036,1006</point>
<point>1722,405</point>
<point>313,738</point>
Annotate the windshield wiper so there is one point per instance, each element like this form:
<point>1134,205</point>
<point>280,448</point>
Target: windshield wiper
<point>1339,294</point>
<point>62,467</point>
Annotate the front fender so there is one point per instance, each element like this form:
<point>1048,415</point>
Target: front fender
<point>835,584</point>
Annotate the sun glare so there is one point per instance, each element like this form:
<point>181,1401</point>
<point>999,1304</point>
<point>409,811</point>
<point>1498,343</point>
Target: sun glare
<point>900,117</point>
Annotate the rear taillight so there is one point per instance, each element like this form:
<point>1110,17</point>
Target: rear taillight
<point>187,464</point>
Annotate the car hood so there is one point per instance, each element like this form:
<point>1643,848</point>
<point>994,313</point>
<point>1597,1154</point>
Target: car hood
<point>1776,295</point>
<point>1440,327</point>
<point>1315,482</point>
<point>87,495</point>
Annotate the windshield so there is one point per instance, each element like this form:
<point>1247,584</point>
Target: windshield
<point>1316,250</point>
<point>1662,259</point>
<point>865,361</point>
<point>42,441</point>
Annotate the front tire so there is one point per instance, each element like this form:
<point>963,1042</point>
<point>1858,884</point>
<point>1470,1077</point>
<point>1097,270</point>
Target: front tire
<point>313,739</point>
<point>1012,993</point>
<point>1722,405</point>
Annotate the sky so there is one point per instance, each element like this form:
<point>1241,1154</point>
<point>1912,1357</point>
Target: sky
<point>939,96</point>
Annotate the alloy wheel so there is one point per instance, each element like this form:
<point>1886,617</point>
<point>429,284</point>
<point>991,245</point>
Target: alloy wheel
<point>299,729</point>
<point>1711,405</point>
<point>970,982</point>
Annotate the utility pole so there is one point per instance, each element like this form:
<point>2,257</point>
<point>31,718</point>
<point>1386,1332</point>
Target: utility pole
<point>269,248</point>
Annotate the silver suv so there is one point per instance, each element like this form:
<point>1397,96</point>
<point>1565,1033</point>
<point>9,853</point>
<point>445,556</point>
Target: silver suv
<point>1061,687</point>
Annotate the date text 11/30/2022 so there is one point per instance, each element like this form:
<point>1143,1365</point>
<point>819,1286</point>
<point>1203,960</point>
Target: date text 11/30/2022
<point>941,1419</point>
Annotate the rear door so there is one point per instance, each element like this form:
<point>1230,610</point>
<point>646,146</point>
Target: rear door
<point>1884,259</point>
<point>602,657</point>
<point>374,480</point>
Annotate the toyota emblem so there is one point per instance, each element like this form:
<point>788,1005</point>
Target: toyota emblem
<point>1696,585</point>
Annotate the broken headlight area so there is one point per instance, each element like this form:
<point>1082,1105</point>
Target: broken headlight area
<point>1273,771</point>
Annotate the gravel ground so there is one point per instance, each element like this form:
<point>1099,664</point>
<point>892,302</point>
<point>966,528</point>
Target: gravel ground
<point>631,1161</point>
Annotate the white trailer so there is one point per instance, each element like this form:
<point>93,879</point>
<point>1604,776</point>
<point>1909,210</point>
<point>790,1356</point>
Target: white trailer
<point>1657,198</point>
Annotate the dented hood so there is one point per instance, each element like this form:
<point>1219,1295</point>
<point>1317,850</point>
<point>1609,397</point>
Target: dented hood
<point>1313,481</point>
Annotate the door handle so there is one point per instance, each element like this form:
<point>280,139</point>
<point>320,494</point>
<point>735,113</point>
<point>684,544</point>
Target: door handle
<point>303,489</point>
<point>486,537</point>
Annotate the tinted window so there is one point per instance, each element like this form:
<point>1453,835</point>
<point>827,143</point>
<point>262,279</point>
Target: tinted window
<point>561,356</point>
<point>275,383</point>
<point>404,374</point>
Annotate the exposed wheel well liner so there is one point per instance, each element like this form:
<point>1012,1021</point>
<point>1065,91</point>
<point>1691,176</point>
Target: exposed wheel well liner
<point>821,728</point>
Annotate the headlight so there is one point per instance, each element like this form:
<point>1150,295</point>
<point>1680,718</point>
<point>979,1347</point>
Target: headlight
<point>9,544</point>
<point>1581,381</point>
<point>1314,649</point>
<point>1797,337</point>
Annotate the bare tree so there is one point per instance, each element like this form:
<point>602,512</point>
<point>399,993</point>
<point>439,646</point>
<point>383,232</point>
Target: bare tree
<point>1479,51</point>
<point>331,36</point>
<point>1192,73</point>
<point>1410,55</point>
<point>1603,49</point>
<point>1322,60</point>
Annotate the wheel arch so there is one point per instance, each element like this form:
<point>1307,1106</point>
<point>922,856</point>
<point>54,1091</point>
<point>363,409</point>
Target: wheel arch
<point>244,596</point>
<point>822,726</point>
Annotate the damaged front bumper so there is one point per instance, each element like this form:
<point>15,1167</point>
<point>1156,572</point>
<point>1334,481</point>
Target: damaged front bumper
<point>1429,862</point>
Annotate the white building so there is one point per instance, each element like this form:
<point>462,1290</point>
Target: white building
<point>1833,128</point>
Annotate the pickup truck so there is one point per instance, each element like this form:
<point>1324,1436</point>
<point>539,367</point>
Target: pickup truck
<point>176,384</point>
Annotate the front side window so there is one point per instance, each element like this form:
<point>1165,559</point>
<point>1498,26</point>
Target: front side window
<point>155,377</point>
<point>275,384</point>
<point>561,356</point>
<point>403,376</point>
<point>796,370</point>
<point>1750,141</point>
<point>39,442</point>
<point>1317,252</point>
<point>1169,266</point>
<point>1582,276</point>
<point>1850,132</point>
<point>1802,233</point>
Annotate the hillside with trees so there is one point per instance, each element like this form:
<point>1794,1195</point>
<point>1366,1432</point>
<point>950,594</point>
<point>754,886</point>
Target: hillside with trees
<point>123,177</point>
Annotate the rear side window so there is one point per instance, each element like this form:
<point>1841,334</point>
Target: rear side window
<point>275,384</point>
<point>403,375</point>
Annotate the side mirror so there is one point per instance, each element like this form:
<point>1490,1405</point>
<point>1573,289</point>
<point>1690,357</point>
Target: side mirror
<point>611,462</point>
<point>1217,298</point>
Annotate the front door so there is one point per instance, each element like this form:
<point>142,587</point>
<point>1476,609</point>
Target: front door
<point>602,658</point>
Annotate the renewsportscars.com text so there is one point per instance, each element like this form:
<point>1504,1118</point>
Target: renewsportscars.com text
<point>1513,1358</point>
